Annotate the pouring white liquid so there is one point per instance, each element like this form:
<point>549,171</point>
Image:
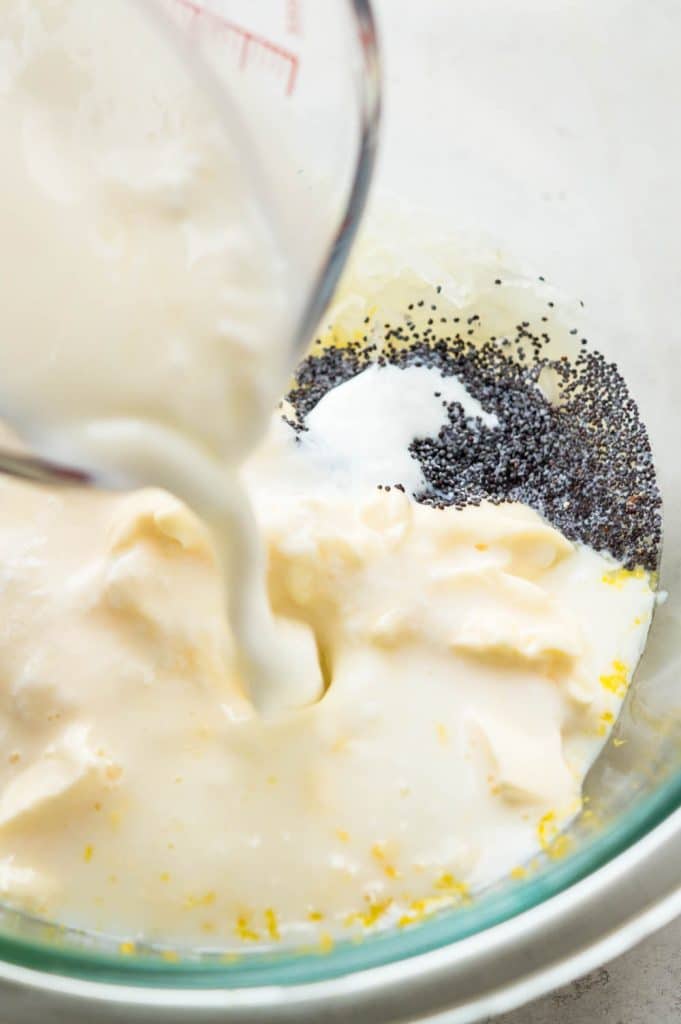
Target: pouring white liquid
<point>148,308</point>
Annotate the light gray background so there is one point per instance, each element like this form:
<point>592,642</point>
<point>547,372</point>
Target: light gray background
<point>641,987</point>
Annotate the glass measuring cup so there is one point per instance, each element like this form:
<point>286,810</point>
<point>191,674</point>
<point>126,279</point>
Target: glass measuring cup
<point>297,90</point>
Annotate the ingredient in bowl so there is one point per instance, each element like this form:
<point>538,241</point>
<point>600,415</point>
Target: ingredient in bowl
<point>474,661</point>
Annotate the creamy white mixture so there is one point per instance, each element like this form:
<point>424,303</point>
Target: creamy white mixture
<point>436,682</point>
<point>475,661</point>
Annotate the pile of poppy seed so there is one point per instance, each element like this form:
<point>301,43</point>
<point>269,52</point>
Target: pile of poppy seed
<point>582,461</point>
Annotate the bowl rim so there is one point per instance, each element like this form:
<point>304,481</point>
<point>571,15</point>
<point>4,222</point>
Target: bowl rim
<point>562,935</point>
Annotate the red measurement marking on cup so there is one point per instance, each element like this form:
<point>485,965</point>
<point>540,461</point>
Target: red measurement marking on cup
<point>250,47</point>
<point>293,17</point>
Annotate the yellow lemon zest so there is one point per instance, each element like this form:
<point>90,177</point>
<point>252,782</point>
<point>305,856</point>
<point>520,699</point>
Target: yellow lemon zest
<point>617,681</point>
<point>205,899</point>
<point>619,577</point>
<point>447,883</point>
<point>244,929</point>
<point>605,721</point>
<point>367,918</point>
<point>272,924</point>
<point>551,841</point>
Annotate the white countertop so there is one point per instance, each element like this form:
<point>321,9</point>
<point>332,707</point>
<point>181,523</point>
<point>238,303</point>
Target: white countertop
<point>641,987</point>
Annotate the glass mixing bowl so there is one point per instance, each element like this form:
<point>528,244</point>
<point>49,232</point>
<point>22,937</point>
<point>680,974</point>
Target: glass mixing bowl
<point>553,128</point>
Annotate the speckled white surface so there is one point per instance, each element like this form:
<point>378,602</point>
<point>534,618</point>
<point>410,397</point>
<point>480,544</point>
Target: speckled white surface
<point>641,987</point>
